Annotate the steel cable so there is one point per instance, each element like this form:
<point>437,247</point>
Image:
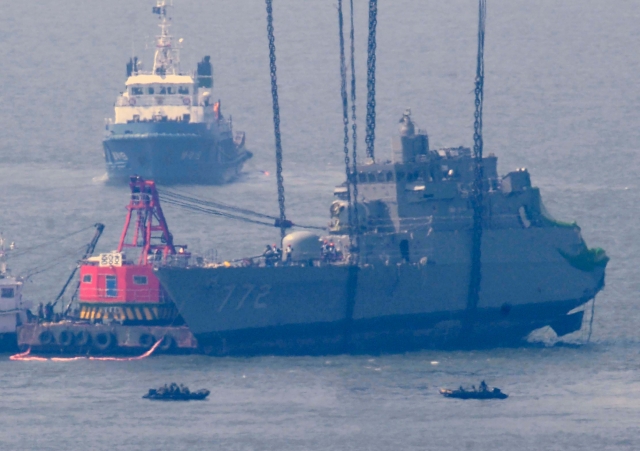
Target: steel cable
<point>217,209</point>
<point>371,80</point>
<point>354,129</point>
<point>21,252</point>
<point>345,120</point>
<point>276,116</point>
<point>475,278</point>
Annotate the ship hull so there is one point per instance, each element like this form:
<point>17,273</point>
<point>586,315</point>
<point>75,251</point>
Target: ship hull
<point>395,334</point>
<point>172,153</point>
<point>8,342</point>
<point>333,309</point>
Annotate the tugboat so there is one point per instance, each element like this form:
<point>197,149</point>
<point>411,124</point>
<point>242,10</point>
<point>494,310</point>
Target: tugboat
<point>167,127</point>
<point>121,306</point>
<point>14,310</point>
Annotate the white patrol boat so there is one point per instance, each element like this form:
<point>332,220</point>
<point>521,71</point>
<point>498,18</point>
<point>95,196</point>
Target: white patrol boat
<point>167,127</point>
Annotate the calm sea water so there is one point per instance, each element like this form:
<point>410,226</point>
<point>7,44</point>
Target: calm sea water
<point>562,99</point>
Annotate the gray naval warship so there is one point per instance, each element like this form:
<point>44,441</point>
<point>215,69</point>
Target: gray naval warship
<point>405,286</point>
<point>167,127</point>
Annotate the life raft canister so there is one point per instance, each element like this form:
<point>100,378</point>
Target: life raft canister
<point>186,101</point>
<point>65,337</point>
<point>102,341</point>
<point>132,101</point>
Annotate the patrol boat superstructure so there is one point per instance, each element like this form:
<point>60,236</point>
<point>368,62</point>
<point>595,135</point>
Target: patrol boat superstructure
<point>167,126</point>
<point>410,287</point>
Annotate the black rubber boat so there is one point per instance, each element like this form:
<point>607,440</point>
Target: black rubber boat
<point>176,393</point>
<point>461,393</point>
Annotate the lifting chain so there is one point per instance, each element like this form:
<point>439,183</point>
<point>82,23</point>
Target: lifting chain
<point>276,118</point>
<point>477,191</point>
<point>354,129</point>
<point>345,120</point>
<point>371,80</point>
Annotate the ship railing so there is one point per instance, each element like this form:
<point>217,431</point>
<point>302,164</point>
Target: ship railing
<point>444,221</point>
<point>177,260</point>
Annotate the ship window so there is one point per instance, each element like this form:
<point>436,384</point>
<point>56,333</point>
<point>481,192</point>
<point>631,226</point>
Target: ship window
<point>171,90</point>
<point>187,118</point>
<point>362,177</point>
<point>400,176</point>
<point>163,90</point>
<point>389,176</point>
<point>8,292</point>
<point>372,177</point>
<point>136,91</point>
<point>86,278</point>
<point>140,280</point>
<point>380,176</point>
<point>151,91</point>
<point>112,286</point>
<point>183,90</point>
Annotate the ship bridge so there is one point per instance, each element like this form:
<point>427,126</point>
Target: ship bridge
<point>150,97</point>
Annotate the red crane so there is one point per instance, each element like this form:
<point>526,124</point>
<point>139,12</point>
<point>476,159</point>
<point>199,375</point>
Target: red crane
<point>151,232</point>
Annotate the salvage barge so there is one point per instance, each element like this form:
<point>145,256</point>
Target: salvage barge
<point>121,307</point>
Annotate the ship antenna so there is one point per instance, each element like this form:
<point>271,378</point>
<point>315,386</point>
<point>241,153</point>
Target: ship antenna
<point>166,59</point>
<point>477,190</point>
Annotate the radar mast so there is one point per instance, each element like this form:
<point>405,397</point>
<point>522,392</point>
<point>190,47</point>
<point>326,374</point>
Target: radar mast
<point>167,58</point>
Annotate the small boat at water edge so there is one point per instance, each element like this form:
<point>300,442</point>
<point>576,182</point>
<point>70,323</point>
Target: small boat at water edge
<point>174,392</point>
<point>483,392</point>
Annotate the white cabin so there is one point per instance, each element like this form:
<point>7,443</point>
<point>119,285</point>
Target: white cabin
<point>13,309</point>
<point>151,97</point>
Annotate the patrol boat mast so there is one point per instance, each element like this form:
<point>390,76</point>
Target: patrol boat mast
<point>166,60</point>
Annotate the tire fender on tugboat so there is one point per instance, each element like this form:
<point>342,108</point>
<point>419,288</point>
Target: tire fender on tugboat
<point>83,338</point>
<point>65,338</point>
<point>146,340</point>
<point>46,338</point>
<point>102,341</point>
<point>168,343</point>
